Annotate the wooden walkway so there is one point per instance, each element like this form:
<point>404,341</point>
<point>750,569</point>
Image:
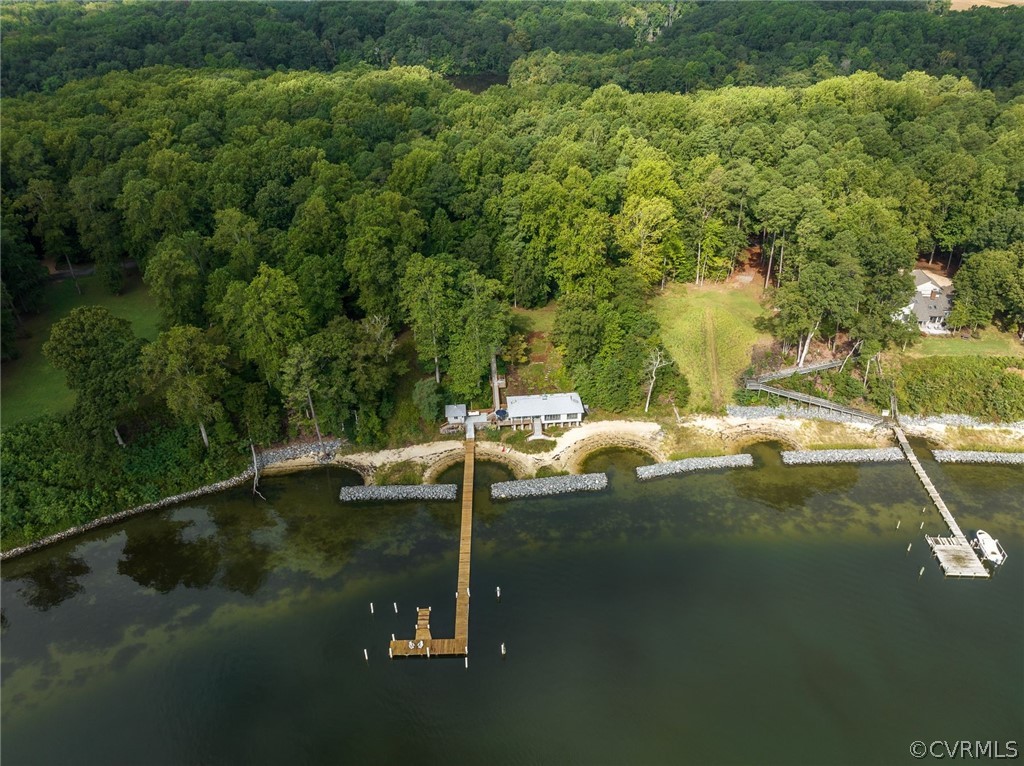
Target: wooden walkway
<point>425,645</point>
<point>788,371</point>
<point>955,555</point>
<point>814,401</point>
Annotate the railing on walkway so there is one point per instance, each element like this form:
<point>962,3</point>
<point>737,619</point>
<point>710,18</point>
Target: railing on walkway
<point>814,401</point>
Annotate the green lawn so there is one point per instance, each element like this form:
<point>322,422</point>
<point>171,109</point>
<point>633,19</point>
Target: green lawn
<point>710,333</point>
<point>30,386</point>
<point>991,343</point>
<point>540,320</point>
<point>544,371</point>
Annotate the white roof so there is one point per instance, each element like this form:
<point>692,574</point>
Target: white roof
<point>454,411</point>
<point>539,405</point>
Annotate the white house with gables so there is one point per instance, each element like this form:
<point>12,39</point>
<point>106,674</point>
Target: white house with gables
<point>932,302</point>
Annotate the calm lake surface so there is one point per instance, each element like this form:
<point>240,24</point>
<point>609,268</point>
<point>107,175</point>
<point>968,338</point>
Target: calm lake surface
<point>752,616</point>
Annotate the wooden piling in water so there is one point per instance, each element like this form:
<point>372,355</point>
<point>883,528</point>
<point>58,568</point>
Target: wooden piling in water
<point>425,645</point>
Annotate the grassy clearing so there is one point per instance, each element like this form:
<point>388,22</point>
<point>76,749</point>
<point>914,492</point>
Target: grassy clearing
<point>685,442</point>
<point>991,343</point>
<point>546,471</point>
<point>985,440</point>
<point>520,440</point>
<point>822,434</point>
<point>710,333</point>
<point>540,320</point>
<point>545,370</point>
<point>407,472</point>
<point>31,386</point>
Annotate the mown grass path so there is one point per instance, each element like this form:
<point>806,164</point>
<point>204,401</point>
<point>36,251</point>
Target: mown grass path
<point>709,331</point>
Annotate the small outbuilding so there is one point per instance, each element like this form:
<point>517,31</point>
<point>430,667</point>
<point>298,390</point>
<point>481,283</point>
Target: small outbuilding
<point>455,414</point>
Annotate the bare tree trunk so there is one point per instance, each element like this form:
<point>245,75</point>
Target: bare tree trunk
<point>782,253</point>
<point>206,439</point>
<point>495,393</point>
<point>71,271</point>
<point>255,471</point>
<point>117,435</point>
<point>437,371</point>
<point>697,280</point>
<point>932,256</point>
<point>852,352</point>
<point>807,344</point>
<point>316,423</point>
<point>771,256</point>
<point>656,360</point>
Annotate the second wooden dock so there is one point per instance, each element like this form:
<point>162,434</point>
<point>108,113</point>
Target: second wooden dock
<point>955,555</point>
<point>424,644</point>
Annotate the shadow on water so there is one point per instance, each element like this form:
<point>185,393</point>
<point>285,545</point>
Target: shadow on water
<point>786,488</point>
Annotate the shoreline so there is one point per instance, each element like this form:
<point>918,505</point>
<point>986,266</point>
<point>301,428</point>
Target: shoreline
<point>704,435</point>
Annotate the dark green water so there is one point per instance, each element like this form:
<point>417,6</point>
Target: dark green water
<point>743,617</point>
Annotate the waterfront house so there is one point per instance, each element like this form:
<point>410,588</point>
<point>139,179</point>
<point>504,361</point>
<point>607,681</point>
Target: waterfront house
<point>932,302</point>
<point>542,410</point>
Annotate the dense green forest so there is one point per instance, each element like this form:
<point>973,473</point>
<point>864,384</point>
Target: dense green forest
<point>292,226</point>
<point>654,46</point>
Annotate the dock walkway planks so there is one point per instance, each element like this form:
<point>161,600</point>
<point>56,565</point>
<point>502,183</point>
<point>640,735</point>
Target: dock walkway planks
<point>955,555</point>
<point>425,645</point>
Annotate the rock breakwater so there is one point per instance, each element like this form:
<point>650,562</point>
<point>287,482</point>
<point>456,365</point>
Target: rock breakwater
<point>645,472</point>
<point>393,492</point>
<point>972,456</point>
<point>552,485</point>
<point>825,456</point>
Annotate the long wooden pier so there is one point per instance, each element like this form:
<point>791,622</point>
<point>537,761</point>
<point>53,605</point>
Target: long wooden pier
<point>424,644</point>
<point>955,555</point>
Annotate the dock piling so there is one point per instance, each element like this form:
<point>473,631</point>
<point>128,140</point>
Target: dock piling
<point>425,644</point>
<point>955,555</point>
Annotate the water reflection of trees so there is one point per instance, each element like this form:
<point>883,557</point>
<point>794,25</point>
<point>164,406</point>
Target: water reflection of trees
<point>159,553</point>
<point>157,556</point>
<point>52,581</point>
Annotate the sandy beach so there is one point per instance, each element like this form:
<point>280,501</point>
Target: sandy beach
<point>696,436</point>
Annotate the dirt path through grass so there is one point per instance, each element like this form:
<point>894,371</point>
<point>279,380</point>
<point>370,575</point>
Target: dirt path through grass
<point>712,357</point>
